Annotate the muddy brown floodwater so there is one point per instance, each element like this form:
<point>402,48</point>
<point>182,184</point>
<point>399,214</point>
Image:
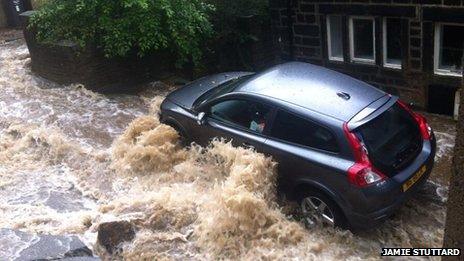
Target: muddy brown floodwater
<point>71,159</point>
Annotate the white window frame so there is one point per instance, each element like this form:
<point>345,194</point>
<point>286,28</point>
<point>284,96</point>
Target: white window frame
<point>385,49</point>
<point>355,59</point>
<point>437,52</point>
<point>329,42</point>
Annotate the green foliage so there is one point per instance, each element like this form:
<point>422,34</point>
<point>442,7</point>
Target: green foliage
<point>38,3</point>
<point>232,22</point>
<point>226,18</point>
<point>120,27</point>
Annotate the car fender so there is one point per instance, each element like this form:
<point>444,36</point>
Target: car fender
<point>343,204</point>
<point>176,125</point>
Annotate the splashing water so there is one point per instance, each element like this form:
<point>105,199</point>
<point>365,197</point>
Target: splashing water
<point>445,144</point>
<point>71,159</point>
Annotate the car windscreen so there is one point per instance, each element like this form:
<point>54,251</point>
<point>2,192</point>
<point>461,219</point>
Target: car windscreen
<point>221,89</point>
<point>392,139</point>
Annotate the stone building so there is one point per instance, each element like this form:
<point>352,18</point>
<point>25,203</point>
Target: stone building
<point>3,21</point>
<point>10,10</point>
<point>410,48</point>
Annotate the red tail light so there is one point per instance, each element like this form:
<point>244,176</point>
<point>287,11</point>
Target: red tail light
<point>362,173</point>
<point>425,129</point>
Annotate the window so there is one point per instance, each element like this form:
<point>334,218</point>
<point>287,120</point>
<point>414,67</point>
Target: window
<point>392,43</point>
<point>449,40</point>
<point>221,89</point>
<point>243,113</point>
<point>392,139</point>
<point>362,39</point>
<point>334,38</point>
<point>294,129</point>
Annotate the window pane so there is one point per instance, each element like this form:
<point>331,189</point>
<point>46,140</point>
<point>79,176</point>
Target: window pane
<point>243,113</point>
<point>392,139</point>
<point>363,38</point>
<point>222,89</point>
<point>452,39</point>
<point>294,129</point>
<point>393,35</point>
<point>335,31</point>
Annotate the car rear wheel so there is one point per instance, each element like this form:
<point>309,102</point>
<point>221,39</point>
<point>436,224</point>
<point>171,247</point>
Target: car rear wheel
<point>317,210</point>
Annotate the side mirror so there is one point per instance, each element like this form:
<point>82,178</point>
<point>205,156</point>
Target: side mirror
<point>201,118</point>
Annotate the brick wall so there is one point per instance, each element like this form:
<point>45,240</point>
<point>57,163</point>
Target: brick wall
<point>300,25</point>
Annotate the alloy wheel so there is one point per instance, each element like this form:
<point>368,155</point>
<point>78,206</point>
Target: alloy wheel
<point>316,212</point>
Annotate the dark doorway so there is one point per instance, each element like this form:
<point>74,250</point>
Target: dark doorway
<point>441,99</point>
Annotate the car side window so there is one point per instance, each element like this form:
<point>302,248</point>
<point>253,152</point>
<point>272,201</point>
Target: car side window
<point>243,113</point>
<point>291,128</point>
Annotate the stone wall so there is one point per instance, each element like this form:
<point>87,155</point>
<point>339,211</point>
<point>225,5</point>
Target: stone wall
<point>67,63</point>
<point>262,51</point>
<point>10,10</point>
<point>254,54</point>
<point>3,21</point>
<point>301,31</point>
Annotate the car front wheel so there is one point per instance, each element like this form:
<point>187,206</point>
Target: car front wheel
<point>184,140</point>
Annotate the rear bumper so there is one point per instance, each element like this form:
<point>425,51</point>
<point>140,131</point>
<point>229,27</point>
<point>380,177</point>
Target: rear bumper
<point>363,221</point>
<point>396,197</point>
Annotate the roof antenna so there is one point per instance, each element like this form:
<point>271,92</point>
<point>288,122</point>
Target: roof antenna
<point>344,95</point>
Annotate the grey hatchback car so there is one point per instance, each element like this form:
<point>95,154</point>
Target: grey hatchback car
<point>348,153</point>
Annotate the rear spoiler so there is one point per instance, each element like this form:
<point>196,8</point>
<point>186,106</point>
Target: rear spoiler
<point>372,111</point>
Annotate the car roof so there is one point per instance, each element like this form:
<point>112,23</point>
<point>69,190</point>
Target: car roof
<point>315,88</point>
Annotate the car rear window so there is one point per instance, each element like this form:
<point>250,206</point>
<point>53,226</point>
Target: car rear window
<point>392,139</point>
<point>294,129</point>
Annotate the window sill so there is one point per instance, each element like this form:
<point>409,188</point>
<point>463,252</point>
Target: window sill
<point>363,61</point>
<point>336,60</point>
<point>447,73</point>
<point>392,66</point>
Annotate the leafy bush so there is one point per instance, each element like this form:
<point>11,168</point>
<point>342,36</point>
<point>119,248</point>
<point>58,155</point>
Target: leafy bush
<point>229,12</point>
<point>120,27</point>
<point>38,3</point>
<point>231,35</point>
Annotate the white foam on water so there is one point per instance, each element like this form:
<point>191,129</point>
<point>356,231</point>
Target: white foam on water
<point>445,144</point>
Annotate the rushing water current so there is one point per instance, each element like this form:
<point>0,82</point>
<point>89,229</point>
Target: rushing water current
<point>71,159</point>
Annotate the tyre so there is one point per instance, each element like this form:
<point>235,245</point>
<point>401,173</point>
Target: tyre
<point>317,210</point>
<point>184,140</point>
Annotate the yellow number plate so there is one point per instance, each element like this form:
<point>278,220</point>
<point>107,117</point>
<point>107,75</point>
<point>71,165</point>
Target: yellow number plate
<point>408,184</point>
